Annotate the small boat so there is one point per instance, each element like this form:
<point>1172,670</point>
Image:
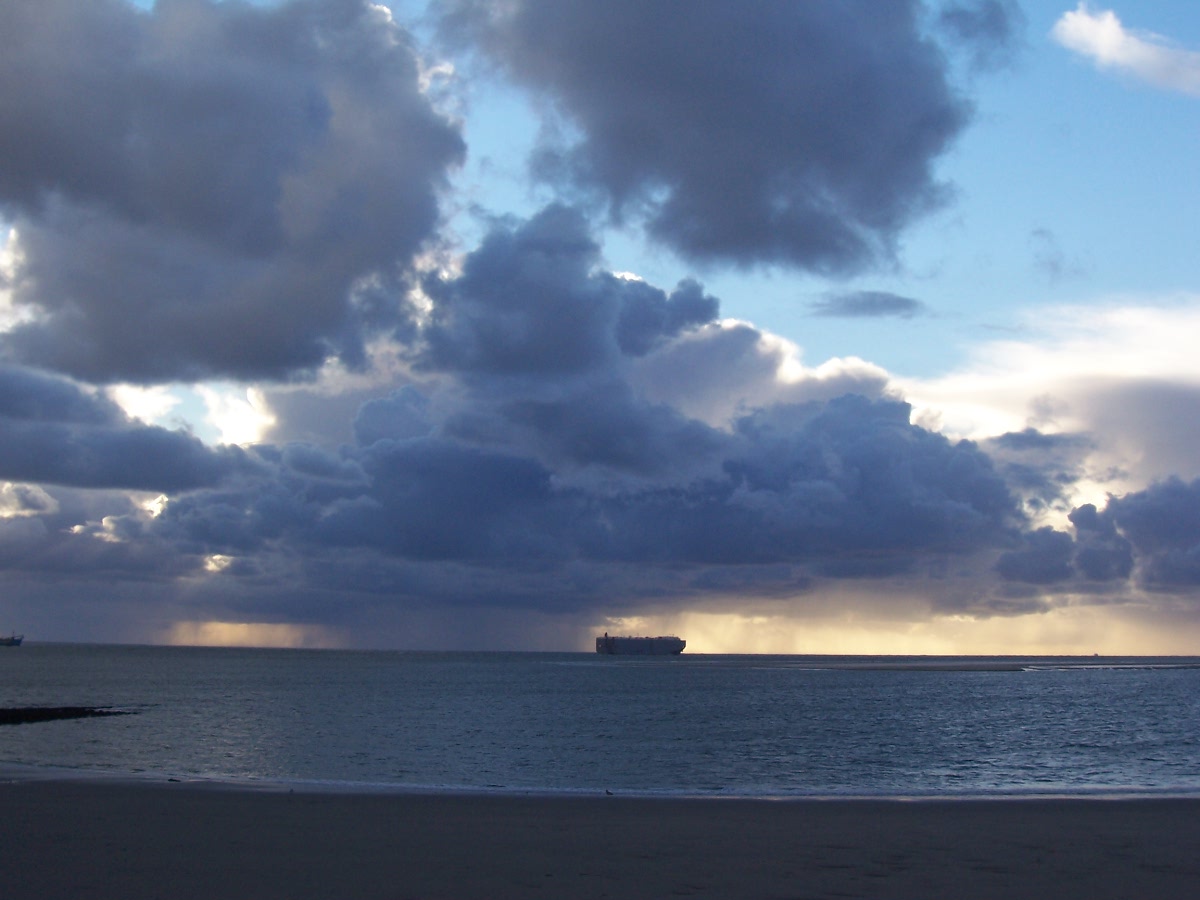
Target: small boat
<point>13,640</point>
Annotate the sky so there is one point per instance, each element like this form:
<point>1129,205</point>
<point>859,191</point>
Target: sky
<point>796,328</point>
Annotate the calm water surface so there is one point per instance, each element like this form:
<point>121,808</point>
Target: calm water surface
<point>710,725</point>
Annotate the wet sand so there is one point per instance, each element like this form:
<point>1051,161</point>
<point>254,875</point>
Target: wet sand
<point>73,839</point>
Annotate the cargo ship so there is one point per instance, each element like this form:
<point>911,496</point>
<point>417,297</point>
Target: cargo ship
<point>640,646</point>
<point>13,640</point>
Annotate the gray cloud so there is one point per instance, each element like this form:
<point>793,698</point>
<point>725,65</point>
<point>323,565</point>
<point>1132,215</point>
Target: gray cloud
<point>1150,538</point>
<point>1045,558</point>
<point>868,305</point>
<point>989,29</point>
<point>530,471</point>
<point>794,133</point>
<point>529,466</point>
<point>1041,468</point>
<point>1162,524</point>
<point>530,303</point>
<point>205,189</point>
<point>53,432</point>
<point>224,190</point>
<point>845,489</point>
<point>1101,553</point>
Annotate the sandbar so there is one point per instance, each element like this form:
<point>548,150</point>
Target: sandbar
<point>100,839</point>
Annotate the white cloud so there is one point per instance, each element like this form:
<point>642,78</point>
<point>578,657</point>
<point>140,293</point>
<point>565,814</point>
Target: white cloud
<point>727,368</point>
<point>11,258</point>
<point>1125,372</point>
<point>151,405</point>
<point>1145,55</point>
<point>241,417</point>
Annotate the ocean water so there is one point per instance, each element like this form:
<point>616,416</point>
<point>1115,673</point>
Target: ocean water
<point>763,726</point>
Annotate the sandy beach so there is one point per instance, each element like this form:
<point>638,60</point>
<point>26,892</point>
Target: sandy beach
<point>73,839</point>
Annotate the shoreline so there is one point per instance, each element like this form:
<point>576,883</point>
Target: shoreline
<point>16,773</point>
<point>131,839</point>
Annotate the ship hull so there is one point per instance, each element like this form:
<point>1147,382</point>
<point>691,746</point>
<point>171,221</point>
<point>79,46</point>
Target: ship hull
<point>639,646</point>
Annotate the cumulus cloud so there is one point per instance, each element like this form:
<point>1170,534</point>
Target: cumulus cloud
<point>1148,538</point>
<point>1162,525</point>
<point>54,432</point>
<point>558,484</point>
<point>514,475</point>
<point>210,189</point>
<point>1101,36</point>
<point>1044,558</point>
<point>532,462</point>
<point>231,194</point>
<point>801,134</point>
<point>529,303</point>
<point>867,305</point>
<point>1078,419</point>
<point>845,489</point>
<point>1084,371</point>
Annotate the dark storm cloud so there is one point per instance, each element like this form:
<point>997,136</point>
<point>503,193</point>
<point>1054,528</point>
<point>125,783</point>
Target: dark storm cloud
<point>402,414</point>
<point>530,456</point>
<point>530,303</point>
<point>54,432</point>
<point>208,189</point>
<point>846,489</point>
<point>529,471</point>
<point>525,466</point>
<point>1038,466</point>
<point>1151,537</point>
<point>868,305</point>
<point>607,425</point>
<point>1045,558</point>
<point>1101,554</point>
<point>794,133</point>
<point>1162,523</point>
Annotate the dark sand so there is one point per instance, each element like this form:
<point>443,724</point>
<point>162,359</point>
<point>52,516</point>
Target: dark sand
<point>66,839</point>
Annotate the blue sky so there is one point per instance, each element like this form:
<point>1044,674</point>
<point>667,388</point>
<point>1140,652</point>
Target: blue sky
<point>467,324</point>
<point>1062,193</point>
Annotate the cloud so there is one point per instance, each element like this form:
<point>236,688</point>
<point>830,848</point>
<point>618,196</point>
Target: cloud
<point>211,190</point>
<point>1147,56</point>
<point>1148,538</point>
<point>868,304</point>
<point>531,471</point>
<point>1162,525</point>
<point>1101,554</point>
<point>54,432</point>
<point>842,490</point>
<point>988,28</point>
<point>797,134</point>
<point>717,372</point>
<point>1101,401</point>
<point>562,485</point>
<point>577,444</point>
<point>1120,373</point>
<point>1044,559</point>
<point>529,303</point>
<point>1042,468</point>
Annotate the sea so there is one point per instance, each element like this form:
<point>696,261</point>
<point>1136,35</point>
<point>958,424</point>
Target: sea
<point>571,723</point>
